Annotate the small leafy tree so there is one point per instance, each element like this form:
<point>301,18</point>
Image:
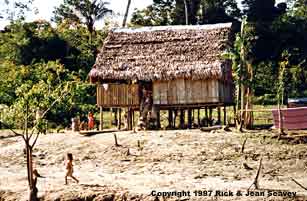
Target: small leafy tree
<point>280,92</point>
<point>45,86</point>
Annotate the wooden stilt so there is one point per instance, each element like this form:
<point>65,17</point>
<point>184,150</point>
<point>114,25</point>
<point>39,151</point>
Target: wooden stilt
<point>210,116</point>
<point>219,115</point>
<point>189,118</point>
<point>198,117</point>
<point>193,117</point>
<point>133,122</point>
<point>111,116</point>
<point>115,116</point>
<point>170,118</point>
<point>235,116</point>
<point>225,116</point>
<point>182,118</point>
<point>129,119</point>
<point>175,117</point>
<point>119,118</point>
<point>101,119</point>
<point>158,119</point>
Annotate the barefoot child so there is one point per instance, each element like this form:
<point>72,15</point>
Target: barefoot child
<point>69,168</point>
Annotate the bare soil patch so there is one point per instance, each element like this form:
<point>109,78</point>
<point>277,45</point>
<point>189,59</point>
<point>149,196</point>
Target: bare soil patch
<point>163,161</point>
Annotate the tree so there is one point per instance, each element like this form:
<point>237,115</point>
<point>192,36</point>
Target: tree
<point>243,75</point>
<point>160,13</point>
<point>259,10</point>
<point>19,11</point>
<point>172,12</point>
<point>299,8</point>
<point>219,11</point>
<point>262,10</point>
<point>82,11</point>
<point>44,86</point>
<point>192,8</point>
<point>25,43</point>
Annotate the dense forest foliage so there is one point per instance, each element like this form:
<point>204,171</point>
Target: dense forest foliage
<point>39,62</point>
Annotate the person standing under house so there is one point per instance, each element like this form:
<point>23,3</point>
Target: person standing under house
<point>91,121</point>
<point>147,104</point>
<point>125,121</point>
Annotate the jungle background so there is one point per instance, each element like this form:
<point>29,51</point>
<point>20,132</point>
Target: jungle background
<point>41,60</point>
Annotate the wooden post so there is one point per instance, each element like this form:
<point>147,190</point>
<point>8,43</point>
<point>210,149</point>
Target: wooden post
<point>133,123</point>
<point>111,111</point>
<point>225,116</point>
<point>210,116</point>
<point>193,117</point>
<point>181,118</point>
<point>198,117</point>
<point>189,118</point>
<point>119,118</point>
<point>158,119</point>
<point>175,117</point>
<point>101,119</point>
<point>129,118</point>
<point>219,115</point>
<point>115,116</point>
<point>170,118</point>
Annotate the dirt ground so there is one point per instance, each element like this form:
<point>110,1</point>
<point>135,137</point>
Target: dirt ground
<point>158,161</point>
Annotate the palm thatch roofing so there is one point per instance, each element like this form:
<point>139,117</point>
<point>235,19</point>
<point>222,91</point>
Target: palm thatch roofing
<point>164,53</point>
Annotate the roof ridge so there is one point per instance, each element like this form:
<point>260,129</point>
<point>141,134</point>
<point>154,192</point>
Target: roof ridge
<point>173,27</point>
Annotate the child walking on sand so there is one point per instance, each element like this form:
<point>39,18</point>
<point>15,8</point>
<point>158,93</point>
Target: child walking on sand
<point>69,168</point>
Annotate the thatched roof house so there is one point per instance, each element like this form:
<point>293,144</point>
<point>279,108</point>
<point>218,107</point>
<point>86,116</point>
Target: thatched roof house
<point>177,67</point>
<point>164,53</point>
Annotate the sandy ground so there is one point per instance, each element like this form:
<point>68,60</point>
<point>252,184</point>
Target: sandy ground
<point>164,161</point>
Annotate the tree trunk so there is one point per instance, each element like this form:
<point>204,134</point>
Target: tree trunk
<point>249,94</point>
<point>126,13</point>
<point>101,118</point>
<point>280,118</point>
<point>186,12</point>
<point>236,107</point>
<point>242,108</point>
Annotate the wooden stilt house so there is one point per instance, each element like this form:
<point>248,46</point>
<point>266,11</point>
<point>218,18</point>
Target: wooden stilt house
<point>175,67</point>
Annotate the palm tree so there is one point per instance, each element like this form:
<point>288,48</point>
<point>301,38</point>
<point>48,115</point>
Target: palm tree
<point>84,11</point>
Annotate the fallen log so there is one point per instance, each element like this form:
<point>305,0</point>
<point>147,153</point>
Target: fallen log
<point>214,128</point>
<point>211,128</point>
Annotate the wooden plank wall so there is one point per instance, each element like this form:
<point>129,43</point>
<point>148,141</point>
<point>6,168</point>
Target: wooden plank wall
<point>118,95</point>
<point>190,92</point>
<point>225,92</point>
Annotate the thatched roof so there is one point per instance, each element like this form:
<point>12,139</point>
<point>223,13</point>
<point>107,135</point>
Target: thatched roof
<point>164,53</point>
